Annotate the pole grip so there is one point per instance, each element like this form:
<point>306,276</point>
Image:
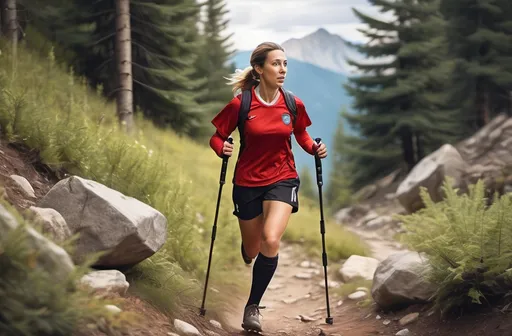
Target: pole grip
<point>224,168</point>
<point>318,165</point>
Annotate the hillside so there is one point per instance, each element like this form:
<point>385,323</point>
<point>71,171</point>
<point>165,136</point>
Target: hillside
<point>322,92</point>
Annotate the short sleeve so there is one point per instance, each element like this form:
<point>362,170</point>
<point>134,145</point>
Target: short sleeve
<point>227,119</point>
<point>303,120</point>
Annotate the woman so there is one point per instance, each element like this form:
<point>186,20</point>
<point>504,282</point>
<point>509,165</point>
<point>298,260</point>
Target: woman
<point>265,178</point>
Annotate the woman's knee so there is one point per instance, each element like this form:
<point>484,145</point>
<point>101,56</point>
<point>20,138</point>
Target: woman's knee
<point>271,242</point>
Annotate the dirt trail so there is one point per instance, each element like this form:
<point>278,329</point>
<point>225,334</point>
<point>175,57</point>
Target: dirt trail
<point>297,289</point>
<point>380,245</point>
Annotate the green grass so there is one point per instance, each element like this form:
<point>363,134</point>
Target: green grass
<point>75,129</point>
<point>34,302</point>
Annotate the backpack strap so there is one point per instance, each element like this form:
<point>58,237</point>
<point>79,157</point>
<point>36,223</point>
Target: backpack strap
<point>243,114</point>
<point>289,99</point>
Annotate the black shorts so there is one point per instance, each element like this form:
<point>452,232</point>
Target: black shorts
<point>248,201</point>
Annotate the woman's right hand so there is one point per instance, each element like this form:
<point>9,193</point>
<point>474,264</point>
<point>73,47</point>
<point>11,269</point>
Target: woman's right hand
<point>227,149</point>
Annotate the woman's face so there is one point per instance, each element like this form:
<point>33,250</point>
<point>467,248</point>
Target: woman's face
<point>273,72</point>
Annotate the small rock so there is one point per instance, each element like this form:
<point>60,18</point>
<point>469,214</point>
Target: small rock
<point>185,328</point>
<point>305,318</point>
<point>386,322</point>
<point>403,332</point>
<point>305,264</point>
<point>357,295</point>
<point>362,289</point>
<point>214,290</point>
<point>275,287</point>
<point>290,301</point>
<point>330,283</point>
<point>340,302</point>
<point>24,185</point>
<point>409,318</point>
<point>216,324</point>
<point>304,276</point>
<point>358,267</point>
<point>172,334</point>
<point>378,317</point>
<point>106,280</point>
<point>113,309</point>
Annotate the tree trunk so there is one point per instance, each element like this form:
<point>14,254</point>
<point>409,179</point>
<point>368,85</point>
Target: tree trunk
<point>420,150</point>
<point>408,148</point>
<point>124,65</point>
<point>11,24</point>
<point>509,112</point>
<point>482,105</point>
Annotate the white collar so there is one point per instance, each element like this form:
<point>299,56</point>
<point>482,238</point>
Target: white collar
<point>257,91</point>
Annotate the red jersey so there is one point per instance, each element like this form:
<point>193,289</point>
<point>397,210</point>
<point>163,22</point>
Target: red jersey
<point>267,157</point>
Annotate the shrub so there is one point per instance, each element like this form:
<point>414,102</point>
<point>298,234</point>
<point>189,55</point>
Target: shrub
<point>469,244</point>
<point>33,304</point>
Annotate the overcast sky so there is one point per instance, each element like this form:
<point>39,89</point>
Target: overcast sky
<point>255,21</point>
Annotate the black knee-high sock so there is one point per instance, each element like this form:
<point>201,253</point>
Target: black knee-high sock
<point>262,272</point>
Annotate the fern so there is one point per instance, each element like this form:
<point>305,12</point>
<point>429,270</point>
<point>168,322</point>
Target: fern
<point>469,244</point>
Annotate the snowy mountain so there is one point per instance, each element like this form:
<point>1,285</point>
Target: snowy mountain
<point>323,49</point>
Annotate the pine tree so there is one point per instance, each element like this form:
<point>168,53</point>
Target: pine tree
<point>164,40</point>
<point>10,24</point>
<point>399,97</point>
<point>213,63</point>
<point>479,36</point>
<point>337,192</point>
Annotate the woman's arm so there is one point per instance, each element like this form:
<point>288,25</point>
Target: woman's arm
<point>225,123</point>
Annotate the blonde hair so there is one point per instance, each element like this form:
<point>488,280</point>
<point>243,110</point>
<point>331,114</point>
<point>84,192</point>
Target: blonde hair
<point>248,77</point>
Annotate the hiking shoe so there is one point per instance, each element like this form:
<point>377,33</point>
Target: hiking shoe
<point>252,318</point>
<point>246,258</point>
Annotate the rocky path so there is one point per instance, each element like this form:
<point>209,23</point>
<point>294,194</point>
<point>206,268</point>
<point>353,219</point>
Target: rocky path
<point>295,290</point>
<point>295,300</point>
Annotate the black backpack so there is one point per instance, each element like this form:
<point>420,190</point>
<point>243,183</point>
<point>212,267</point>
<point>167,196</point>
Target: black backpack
<point>245,105</point>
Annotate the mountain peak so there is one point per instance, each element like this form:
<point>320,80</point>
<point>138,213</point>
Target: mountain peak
<point>322,31</point>
<point>320,48</point>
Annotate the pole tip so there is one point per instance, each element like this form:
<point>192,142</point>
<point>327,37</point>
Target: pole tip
<point>202,311</point>
<point>329,320</point>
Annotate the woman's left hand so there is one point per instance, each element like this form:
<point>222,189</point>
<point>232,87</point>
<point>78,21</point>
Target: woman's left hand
<point>322,151</point>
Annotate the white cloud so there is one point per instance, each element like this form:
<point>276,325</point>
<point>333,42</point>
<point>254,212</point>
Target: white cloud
<point>255,21</point>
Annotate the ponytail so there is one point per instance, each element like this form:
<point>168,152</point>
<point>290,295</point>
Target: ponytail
<point>242,79</point>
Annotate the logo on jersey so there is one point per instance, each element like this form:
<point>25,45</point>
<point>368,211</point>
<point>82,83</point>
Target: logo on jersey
<point>286,118</point>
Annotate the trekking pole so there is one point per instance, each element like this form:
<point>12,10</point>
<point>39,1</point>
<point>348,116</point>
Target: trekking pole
<point>319,181</point>
<point>222,181</point>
